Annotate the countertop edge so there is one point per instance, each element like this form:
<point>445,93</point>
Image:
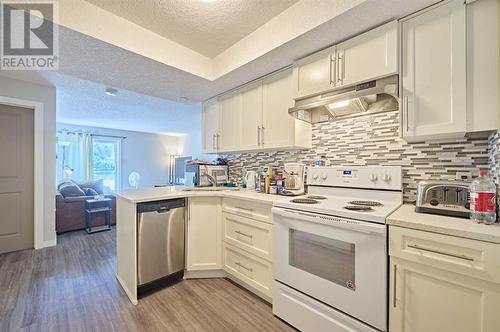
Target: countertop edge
<point>189,194</point>
<point>402,217</point>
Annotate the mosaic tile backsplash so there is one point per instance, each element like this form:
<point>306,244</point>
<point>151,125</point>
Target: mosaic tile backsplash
<point>374,140</point>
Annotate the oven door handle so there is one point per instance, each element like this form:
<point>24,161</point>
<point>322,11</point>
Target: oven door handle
<point>339,222</point>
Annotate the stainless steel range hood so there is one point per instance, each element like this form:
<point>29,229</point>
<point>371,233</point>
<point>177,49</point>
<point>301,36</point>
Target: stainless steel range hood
<point>371,97</point>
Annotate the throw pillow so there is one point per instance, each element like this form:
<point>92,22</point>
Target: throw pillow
<point>97,185</point>
<point>70,189</point>
<point>90,192</point>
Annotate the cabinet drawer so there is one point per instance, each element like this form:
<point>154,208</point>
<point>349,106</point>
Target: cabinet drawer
<point>470,257</point>
<point>248,234</point>
<point>249,209</point>
<point>250,269</point>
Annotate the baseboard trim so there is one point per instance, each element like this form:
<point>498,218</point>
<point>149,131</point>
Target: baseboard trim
<point>46,244</point>
<point>224,274</point>
<point>249,288</point>
<point>204,274</point>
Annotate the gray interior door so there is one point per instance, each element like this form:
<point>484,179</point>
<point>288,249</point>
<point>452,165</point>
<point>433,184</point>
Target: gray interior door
<point>16,178</point>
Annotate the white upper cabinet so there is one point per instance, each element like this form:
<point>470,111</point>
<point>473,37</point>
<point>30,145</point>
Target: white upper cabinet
<point>371,55</point>
<point>277,126</point>
<point>314,74</point>
<point>483,65</point>
<point>255,117</point>
<point>434,73</point>
<point>251,116</point>
<point>210,125</point>
<point>279,129</point>
<point>230,120</point>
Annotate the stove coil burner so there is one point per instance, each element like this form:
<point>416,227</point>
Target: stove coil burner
<point>316,197</point>
<point>366,203</point>
<point>304,201</point>
<point>358,208</point>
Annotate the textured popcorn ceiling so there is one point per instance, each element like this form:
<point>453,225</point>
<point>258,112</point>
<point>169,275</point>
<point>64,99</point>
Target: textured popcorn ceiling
<point>207,27</point>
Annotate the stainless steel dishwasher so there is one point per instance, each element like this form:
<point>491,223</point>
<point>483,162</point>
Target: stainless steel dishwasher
<point>160,243</point>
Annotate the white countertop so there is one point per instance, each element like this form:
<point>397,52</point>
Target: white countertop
<point>406,216</point>
<point>159,193</point>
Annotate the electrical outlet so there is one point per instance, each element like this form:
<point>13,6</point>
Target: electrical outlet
<point>463,176</point>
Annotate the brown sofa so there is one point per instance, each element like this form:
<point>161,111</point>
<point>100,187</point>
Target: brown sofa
<point>70,213</point>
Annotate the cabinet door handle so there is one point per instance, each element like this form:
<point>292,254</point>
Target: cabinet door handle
<point>343,67</point>
<point>216,142</point>
<point>406,112</point>
<point>332,69</point>
<point>258,135</point>
<point>243,266</point>
<point>464,257</point>
<point>340,64</point>
<point>213,141</point>
<point>244,234</point>
<point>394,289</point>
<point>262,134</point>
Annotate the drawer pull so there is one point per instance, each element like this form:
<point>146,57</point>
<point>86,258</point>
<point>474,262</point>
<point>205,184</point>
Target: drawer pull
<point>241,233</point>
<point>245,267</point>
<point>244,210</point>
<point>416,246</point>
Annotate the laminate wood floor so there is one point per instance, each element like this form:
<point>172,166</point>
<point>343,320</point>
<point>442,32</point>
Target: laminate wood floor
<point>72,287</point>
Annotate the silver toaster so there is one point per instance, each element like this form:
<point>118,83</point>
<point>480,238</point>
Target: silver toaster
<point>450,198</point>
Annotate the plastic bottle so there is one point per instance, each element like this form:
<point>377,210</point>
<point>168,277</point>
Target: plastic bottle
<point>483,199</point>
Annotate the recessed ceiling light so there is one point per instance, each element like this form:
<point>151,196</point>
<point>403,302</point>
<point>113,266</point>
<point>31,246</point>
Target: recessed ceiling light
<point>183,99</point>
<point>111,92</point>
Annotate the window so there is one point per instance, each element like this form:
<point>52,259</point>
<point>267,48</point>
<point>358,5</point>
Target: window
<point>106,165</point>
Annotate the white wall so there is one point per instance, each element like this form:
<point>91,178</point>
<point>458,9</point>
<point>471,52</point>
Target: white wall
<point>148,154</point>
<point>47,95</point>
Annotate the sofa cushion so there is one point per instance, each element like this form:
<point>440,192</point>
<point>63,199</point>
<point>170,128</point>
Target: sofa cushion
<point>70,189</point>
<point>90,192</point>
<point>96,185</point>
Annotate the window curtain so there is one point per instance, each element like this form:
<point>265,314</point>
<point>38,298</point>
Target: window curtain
<point>73,156</point>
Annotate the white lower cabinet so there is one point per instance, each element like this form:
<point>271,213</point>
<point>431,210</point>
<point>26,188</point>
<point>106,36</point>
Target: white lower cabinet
<point>247,244</point>
<point>204,235</point>
<point>248,234</point>
<point>442,283</point>
<point>250,269</point>
<point>230,237</point>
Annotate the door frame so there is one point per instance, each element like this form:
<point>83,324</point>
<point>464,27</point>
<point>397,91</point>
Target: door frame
<point>38,219</point>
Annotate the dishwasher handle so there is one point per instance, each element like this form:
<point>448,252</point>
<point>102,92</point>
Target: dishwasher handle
<point>161,206</point>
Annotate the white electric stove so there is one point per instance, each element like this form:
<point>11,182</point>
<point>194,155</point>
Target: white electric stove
<point>330,249</point>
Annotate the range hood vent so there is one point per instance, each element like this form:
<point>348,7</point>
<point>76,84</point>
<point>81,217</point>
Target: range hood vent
<point>371,97</point>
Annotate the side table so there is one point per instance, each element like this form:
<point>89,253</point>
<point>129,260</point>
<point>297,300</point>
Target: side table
<point>93,207</point>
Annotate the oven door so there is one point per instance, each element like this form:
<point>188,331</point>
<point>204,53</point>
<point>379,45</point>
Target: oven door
<point>338,261</point>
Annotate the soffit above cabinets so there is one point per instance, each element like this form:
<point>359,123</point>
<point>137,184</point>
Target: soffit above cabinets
<point>100,46</point>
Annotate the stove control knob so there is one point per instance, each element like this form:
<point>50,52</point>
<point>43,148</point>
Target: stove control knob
<point>324,176</point>
<point>315,177</point>
<point>373,177</point>
<point>386,177</point>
